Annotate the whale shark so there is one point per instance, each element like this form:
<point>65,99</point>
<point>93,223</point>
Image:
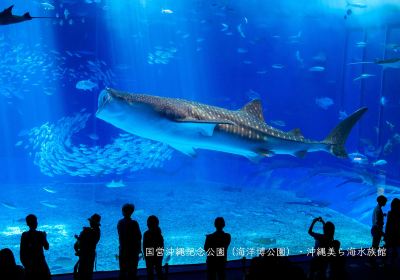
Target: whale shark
<point>7,17</point>
<point>187,126</point>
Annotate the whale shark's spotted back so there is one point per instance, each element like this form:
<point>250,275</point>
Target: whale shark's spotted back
<point>246,125</point>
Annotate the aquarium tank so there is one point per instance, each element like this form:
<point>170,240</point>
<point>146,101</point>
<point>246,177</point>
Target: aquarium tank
<point>197,109</point>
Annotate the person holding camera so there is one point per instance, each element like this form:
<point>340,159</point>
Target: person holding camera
<point>85,249</point>
<point>31,251</point>
<point>324,241</point>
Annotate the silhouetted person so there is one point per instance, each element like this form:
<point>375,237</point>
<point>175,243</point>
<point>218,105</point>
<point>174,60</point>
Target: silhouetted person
<point>9,270</point>
<point>323,242</point>
<point>85,248</point>
<point>337,263</point>
<point>377,226</point>
<point>130,239</point>
<point>216,247</point>
<point>378,221</point>
<point>153,248</point>
<point>392,232</point>
<point>31,251</point>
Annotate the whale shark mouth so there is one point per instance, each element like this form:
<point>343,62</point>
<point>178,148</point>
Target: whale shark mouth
<point>104,99</point>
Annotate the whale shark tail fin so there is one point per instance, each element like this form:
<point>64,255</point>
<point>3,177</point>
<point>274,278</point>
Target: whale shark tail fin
<point>338,136</point>
<point>27,16</point>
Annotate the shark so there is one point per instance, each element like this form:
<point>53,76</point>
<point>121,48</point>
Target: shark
<point>188,125</point>
<point>389,63</point>
<point>385,63</point>
<point>7,17</point>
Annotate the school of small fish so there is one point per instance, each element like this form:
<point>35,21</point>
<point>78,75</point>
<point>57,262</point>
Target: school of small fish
<point>52,148</point>
<point>161,55</point>
<point>37,68</point>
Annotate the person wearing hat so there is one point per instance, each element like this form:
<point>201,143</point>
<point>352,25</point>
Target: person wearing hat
<point>85,249</point>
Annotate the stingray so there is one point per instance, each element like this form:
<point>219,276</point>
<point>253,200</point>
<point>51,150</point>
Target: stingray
<point>7,17</point>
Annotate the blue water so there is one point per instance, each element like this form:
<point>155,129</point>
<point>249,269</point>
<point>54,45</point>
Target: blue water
<point>59,161</point>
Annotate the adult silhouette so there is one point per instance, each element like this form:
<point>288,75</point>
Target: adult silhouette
<point>85,249</point>
<point>130,239</point>
<point>31,251</point>
<point>216,247</point>
<point>153,248</point>
<point>378,221</point>
<point>319,263</point>
<point>392,231</point>
<point>9,270</point>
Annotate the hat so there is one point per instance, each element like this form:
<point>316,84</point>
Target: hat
<point>95,218</point>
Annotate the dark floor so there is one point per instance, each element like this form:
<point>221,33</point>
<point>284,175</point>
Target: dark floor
<point>357,268</point>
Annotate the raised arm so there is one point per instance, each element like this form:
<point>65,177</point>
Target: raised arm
<point>310,230</point>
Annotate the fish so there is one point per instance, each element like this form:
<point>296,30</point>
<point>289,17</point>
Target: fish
<point>383,101</point>
<point>393,47</point>
<point>360,5</point>
<point>240,31</point>
<point>389,63</point>
<point>390,125</point>
<point>385,63</point>
<point>187,126</point>
<point>266,241</point>
<point>6,17</point>
<point>66,13</point>
<point>299,58</point>
<point>8,205</point>
<point>363,76</point>
<point>116,184</point>
<point>295,38</point>
<point>324,102</point>
<point>93,136</point>
<point>380,162</point>
<point>47,189</point>
<point>342,115</point>
<point>277,66</point>
<point>47,204</point>
<point>86,85</point>
<point>319,57</point>
<point>127,153</point>
<point>224,27</point>
<point>358,158</point>
<point>19,143</point>
<point>317,69</point>
<point>167,11</point>
<point>361,44</point>
<point>47,6</point>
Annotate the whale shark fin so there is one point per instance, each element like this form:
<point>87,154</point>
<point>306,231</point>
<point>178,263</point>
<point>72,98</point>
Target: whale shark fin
<point>338,136</point>
<point>204,127</point>
<point>187,150</point>
<point>8,11</point>
<point>255,158</point>
<point>254,108</point>
<point>27,15</point>
<point>296,132</point>
<point>300,154</point>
